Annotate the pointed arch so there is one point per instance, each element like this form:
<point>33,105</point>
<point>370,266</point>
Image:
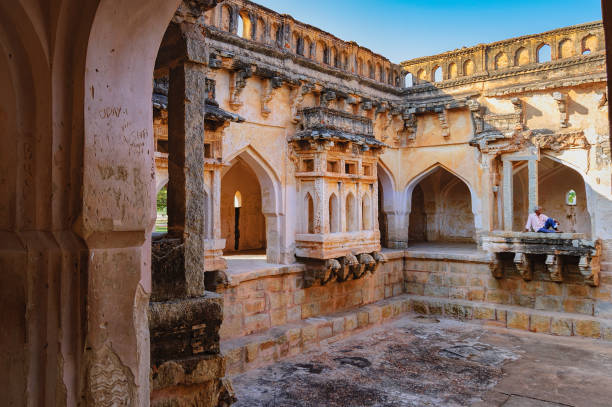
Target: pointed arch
<point>350,209</point>
<point>476,206</point>
<point>366,212</point>
<point>309,213</point>
<point>334,215</point>
<point>271,199</point>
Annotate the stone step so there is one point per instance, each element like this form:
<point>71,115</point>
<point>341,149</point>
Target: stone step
<point>513,317</point>
<point>252,351</point>
<point>257,350</point>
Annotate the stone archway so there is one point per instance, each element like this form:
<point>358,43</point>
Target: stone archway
<point>271,202</point>
<point>441,207</point>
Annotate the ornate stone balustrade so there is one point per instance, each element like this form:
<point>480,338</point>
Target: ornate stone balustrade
<point>564,256</point>
<point>566,44</point>
<point>256,23</point>
<point>317,117</point>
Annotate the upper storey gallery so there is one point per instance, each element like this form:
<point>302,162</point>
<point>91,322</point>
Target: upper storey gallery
<point>486,61</point>
<point>253,22</point>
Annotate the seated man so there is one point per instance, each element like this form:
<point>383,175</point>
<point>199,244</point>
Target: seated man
<point>538,222</point>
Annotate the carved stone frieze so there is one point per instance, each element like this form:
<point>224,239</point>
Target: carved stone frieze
<point>523,266</point>
<point>554,265</point>
<point>270,85</point>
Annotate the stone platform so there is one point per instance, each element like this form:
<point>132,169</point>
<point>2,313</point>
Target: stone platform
<point>419,360</point>
<point>252,351</point>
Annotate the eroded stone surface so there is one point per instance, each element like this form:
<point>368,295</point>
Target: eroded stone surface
<point>429,362</point>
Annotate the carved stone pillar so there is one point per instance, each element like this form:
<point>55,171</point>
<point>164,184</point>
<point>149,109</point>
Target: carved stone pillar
<point>508,196</point>
<point>532,166</point>
<point>186,194</point>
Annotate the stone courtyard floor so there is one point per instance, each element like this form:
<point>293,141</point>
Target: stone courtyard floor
<point>423,361</point>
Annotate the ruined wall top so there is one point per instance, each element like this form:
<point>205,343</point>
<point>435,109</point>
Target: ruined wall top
<point>570,44</point>
<point>260,24</point>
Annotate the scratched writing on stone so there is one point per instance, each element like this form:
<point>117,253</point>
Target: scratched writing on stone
<point>110,112</point>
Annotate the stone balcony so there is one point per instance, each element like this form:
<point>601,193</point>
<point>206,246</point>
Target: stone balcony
<point>560,257</point>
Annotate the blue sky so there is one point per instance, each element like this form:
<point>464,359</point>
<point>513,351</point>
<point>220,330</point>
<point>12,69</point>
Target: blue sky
<point>405,29</point>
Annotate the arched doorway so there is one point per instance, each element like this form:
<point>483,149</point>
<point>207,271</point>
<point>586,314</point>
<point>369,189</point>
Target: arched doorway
<point>555,182</point>
<point>441,209</point>
<point>243,225</point>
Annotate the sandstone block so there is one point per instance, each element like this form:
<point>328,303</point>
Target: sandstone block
<point>587,328</point>
<point>458,311</point>
<point>338,325</point>
<point>309,334</point>
<point>578,306</point>
<point>476,294</point>
<point>481,312</point>
<point>420,307</point>
<point>561,326</point>
<point>501,315</point>
<point>299,297</point>
<point>251,352</point>
<point>278,317</point>
<point>517,320</point>
<point>294,313</point>
<point>435,308</point>
<point>387,311</point>
<point>254,306</point>
<point>363,318</point>
<point>256,322</point>
<point>325,332</point>
<point>548,303</point>
<point>603,310</point>
<point>310,310</point>
<point>273,284</point>
<point>350,322</point>
<point>540,323</point>
<point>498,297</point>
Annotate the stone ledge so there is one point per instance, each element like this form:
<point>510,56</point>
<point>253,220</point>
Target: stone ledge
<point>253,351</point>
<point>549,322</point>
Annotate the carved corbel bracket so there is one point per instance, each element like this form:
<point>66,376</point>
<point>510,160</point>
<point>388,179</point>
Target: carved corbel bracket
<point>326,97</point>
<point>330,270</point>
<point>237,85</point>
<point>410,124</point>
<point>518,110</point>
<point>299,93</point>
<point>524,266</point>
<point>561,100</point>
<point>381,107</point>
<point>554,265</point>
<point>477,112</point>
<point>495,266</point>
<point>269,88</point>
<point>366,104</point>
<point>347,265</point>
<point>443,118</point>
<point>590,266</point>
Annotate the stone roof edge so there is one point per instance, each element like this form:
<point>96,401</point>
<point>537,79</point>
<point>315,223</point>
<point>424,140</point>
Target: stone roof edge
<point>469,50</point>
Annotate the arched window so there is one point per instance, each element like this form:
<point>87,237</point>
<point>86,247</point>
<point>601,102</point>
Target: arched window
<point>501,60</point>
<point>379,74</point>
<point>278,36</point>
<point>437,74</point>
<point>468,67</point>
<point>387,77</point>
<point>261,29</point>
<point>544,53</point>
<point>409,80</point>
<point>589,44</point>
<point>370,70</point>
<point>307,47</point>
<point>309,204</point>
<point>334,224</point>
<point>226,17</point>
<point>366,213</point>
<point>566,49</point>
<point>351,214</point>
<point>421,76</point>
<point>240,31</point>
<point>299,45</point>
<point>237,200</point>
<point>360,66</point>
<point>452,70</point>
<point>521,57</point>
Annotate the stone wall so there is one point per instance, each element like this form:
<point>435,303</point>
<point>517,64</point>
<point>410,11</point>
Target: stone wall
<point>255,303</point>
<point>469,278</point>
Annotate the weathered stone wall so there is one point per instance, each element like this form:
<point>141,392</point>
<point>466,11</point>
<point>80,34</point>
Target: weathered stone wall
<point>255,303</point>
<point>469,278</point>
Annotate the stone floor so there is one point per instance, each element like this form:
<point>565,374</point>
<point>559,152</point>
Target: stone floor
<point>423,361</point>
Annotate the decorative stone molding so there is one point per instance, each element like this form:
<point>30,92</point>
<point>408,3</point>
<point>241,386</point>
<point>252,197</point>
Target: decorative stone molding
<point>524,266</point>
<point>238,83</point>
<point>270,85</point>
<point>560,141</point>
<point>556,246</point>
<point>443,119</point>
<point>554,265</point>
<point>298,94</point>
<point>561,100</point>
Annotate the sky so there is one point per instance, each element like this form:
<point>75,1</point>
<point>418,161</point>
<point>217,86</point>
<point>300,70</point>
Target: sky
<point>406,29</point>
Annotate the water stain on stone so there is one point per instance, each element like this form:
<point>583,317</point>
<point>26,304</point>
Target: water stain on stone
<point>354,361</point>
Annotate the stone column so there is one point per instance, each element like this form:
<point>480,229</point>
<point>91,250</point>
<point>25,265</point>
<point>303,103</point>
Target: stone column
<point>186,195</point>
<point>532,166</point>
<point>508,195</point>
